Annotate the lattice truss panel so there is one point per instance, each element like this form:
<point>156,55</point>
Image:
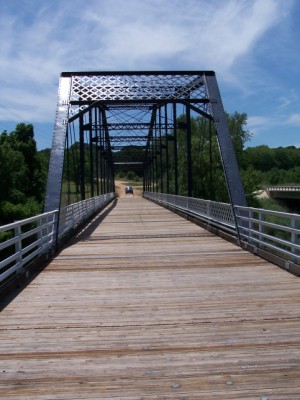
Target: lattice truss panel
<point>137,87</point>
<point>129,98</point>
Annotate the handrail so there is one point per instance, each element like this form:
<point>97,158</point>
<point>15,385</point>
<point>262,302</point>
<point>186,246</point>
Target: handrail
<point>25,240</point>
<point>73,214</point>
<point>272,231</point>
<point>211,212</point>
<point>283,188</point>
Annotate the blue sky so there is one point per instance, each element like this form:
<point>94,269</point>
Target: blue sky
<point>252,45</point>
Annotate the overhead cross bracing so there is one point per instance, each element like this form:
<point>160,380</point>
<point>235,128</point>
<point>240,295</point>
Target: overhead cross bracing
<point>106,118</point>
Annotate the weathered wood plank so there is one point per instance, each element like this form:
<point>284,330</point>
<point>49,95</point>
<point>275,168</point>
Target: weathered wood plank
<point>147,305</point>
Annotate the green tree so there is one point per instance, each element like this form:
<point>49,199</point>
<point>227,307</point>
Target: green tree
<point>23,173</point>
<point>13,173</point>
<point>261,158</point>
<point>237,124</point>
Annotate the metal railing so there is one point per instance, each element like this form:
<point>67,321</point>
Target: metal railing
<point>211,212</point>
<point>282,188</point>
<point>275,232</point>
<point>72,215</point>
<point>25,240</point>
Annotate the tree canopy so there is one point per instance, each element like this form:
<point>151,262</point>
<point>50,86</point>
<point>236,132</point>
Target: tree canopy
<point>23,173</point>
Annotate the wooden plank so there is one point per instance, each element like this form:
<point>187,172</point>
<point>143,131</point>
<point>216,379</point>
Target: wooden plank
<point>147,305</point>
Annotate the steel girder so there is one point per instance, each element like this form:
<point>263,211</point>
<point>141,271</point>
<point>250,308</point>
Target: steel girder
<point>53,192</point>
<point>118,95</point>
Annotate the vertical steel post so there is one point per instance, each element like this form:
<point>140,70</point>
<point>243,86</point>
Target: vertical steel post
<point>167,149</point>
<point>151,150</point>
<point>81,157</point>
<point>175,150</point>
<point>68,167</point>
<point>101,149</point>
<point>97,150</point>
<point>155,152</point>
<point>211,187</point>
<point>91,154</point>
<point>110,169</point>
<point>105,143</point>
<point>160,152</point>
<point>189,151</point>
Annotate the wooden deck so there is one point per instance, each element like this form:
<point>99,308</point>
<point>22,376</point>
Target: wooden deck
<point>147,305</point>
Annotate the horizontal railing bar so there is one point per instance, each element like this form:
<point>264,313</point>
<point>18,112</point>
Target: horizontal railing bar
<point>26,221</point>
<point>269,224</point>
<point>274,247</point>
<point>8,242</point>
<point>269,212</point>
<point>282,188</point>
<point>272,238</point>
<point>9,260</point>
<point>42,237</point>
<point>9,272</point>
<point>31,256</point>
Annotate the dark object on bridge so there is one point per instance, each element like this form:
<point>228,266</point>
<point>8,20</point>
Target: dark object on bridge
<point>129,189</point>
<point>141,110</point>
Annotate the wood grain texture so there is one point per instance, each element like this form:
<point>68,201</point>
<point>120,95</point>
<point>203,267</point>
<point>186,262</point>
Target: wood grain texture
<point>147,305</point>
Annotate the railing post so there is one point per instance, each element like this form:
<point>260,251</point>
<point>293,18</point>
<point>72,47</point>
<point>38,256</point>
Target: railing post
<point>208,209</point>
<point>251,227</point>
<point>54,231</point>
<point>261,229</point>
<point>39,224</point>
<point>293,238</point>
<point>18,246</point>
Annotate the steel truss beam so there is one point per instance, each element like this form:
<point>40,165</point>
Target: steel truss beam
<point>128,139</point>
<point>110,101</point>
<point>129,126</point>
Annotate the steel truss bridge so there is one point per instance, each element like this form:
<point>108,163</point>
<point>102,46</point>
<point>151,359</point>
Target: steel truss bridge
<point>136,301</point>
<point>101,112</point>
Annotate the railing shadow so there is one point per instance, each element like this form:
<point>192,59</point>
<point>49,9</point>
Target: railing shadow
<point>86,229</point>
<point>81,232</point>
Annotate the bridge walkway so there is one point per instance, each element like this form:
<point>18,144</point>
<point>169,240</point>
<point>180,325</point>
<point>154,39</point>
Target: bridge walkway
<point>147,305</point>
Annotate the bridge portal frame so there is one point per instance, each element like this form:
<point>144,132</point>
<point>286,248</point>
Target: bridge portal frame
<point>81,92</point>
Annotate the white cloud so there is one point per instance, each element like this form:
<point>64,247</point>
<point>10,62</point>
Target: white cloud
<point>121,35</point>
<point>257,121</point>
<point>275,128</point>
<point>257,124</point>
<point>286,101</point>
<point>294,120</point>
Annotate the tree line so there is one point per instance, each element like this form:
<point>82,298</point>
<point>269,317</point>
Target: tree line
<point>23,174</point>
<point>259,166</point>
<point>24,169</point>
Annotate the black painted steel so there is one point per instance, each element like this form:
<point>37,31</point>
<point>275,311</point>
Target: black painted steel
<point>52,201</point>
<point>189,151</point>
<point>230,165</point>
<point>175,151</point>
<point>112,111</point>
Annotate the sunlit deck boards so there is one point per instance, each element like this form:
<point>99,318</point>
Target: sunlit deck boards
<point>149,306</point>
